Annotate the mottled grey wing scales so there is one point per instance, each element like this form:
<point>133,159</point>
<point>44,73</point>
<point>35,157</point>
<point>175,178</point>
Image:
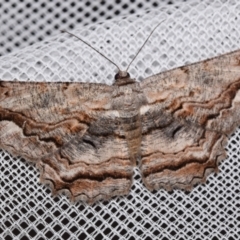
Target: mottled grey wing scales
<point>188,115</point>
<point>72,134</point>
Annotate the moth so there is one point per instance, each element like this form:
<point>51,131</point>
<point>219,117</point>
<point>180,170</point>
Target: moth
<point>86,138</point>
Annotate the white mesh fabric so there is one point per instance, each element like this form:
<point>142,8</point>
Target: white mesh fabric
<point>192,31</point>
<point>25,22</point>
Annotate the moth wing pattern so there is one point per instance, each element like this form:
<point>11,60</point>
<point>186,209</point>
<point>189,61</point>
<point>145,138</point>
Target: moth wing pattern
<point>75,141</point>
<point>189,114</point>
<point>84,137</point>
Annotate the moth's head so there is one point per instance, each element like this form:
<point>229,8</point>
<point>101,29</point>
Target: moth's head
<point>123,78</point>
<point>122,74</point>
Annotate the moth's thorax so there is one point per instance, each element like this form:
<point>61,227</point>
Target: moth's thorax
<point>128,98</point>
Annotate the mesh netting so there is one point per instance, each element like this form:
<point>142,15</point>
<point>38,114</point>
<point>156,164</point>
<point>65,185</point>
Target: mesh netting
<point>192,31</point>
<point>25,22</point>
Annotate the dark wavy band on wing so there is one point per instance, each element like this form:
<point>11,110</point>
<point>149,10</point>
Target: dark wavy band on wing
<point>71,133</point>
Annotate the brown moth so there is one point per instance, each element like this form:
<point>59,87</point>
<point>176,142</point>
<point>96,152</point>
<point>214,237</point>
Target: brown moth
<point>86,138</point>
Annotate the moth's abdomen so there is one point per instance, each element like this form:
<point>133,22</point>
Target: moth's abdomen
<point>133,129</point>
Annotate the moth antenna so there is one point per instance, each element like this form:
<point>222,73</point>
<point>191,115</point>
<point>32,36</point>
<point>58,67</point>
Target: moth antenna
<point>144,44</point>
<point>65,31</point>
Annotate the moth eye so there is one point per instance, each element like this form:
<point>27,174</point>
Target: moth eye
<point>116,76</point>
